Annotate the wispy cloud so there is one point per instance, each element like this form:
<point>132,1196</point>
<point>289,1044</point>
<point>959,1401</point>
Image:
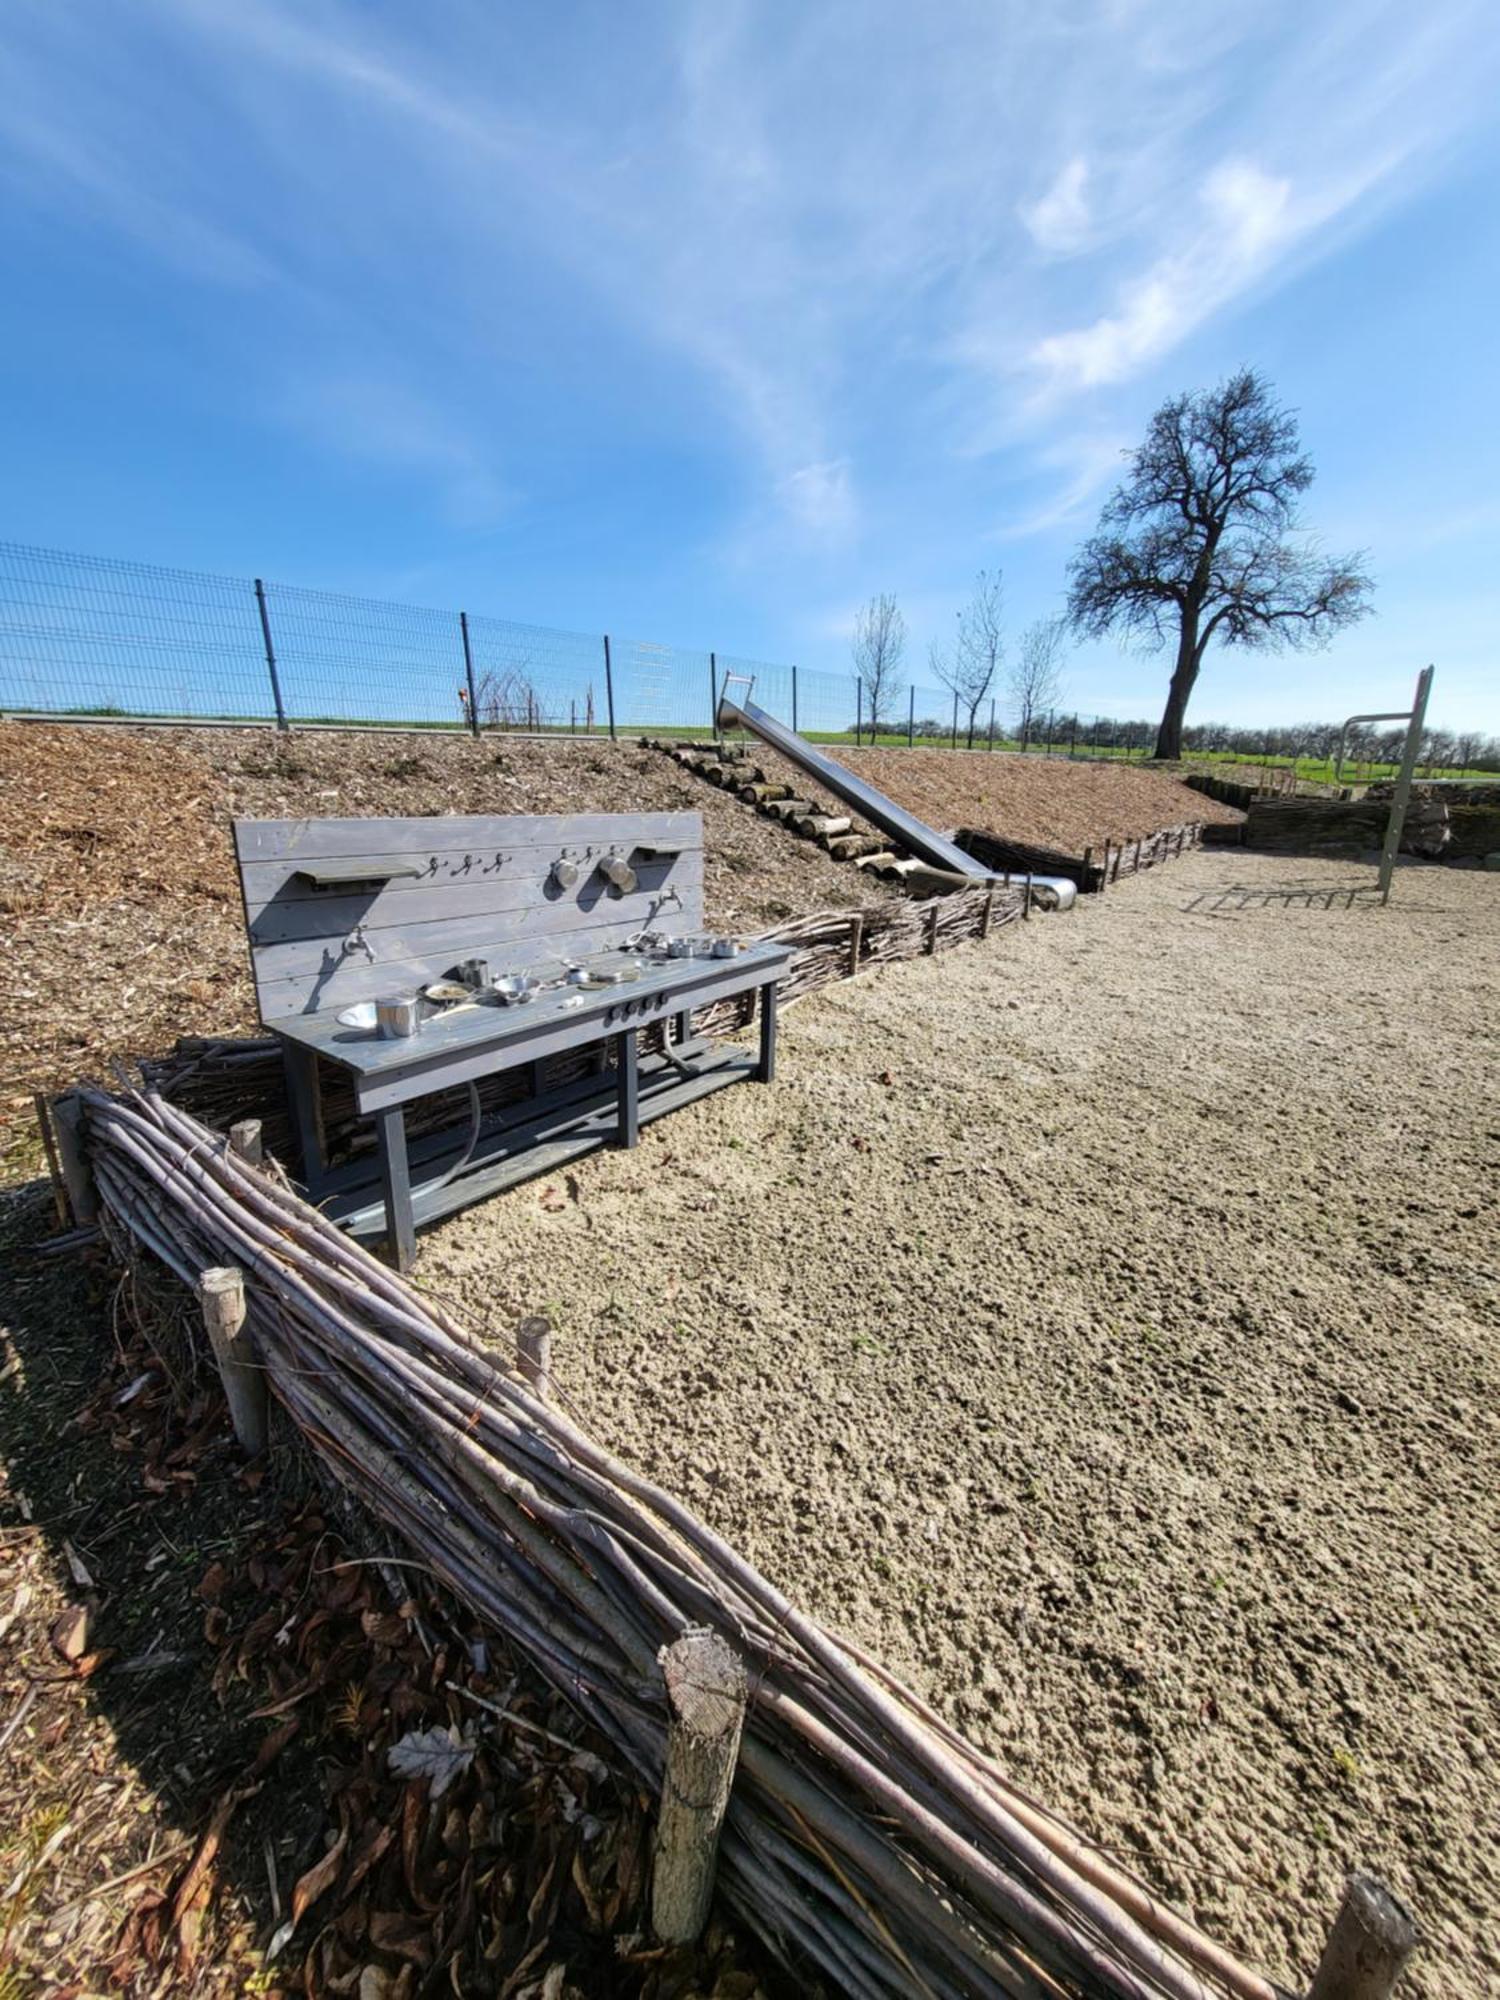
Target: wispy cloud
<point>1059,220</point>
<point>1246,218</point>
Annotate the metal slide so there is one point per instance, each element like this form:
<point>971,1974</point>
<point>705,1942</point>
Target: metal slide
<point>914,834</point>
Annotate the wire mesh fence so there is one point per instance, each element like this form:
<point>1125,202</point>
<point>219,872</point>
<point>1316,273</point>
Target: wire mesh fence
<point>88,636</point>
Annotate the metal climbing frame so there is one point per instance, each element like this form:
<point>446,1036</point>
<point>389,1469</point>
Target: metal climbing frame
<point>1415,719</point>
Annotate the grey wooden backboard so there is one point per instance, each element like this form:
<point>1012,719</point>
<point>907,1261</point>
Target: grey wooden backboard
<point>425,894</point>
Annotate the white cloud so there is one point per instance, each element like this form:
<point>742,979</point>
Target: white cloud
<point>1076,468</point>
<point>1245,217</point>
<point>1059,222</point>
<point>820,499</point>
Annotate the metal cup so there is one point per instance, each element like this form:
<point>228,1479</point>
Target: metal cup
<point>399,1015</point>
<point>475,972</point>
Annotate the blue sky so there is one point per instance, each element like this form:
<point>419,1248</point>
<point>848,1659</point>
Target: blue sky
<point>706,321</point>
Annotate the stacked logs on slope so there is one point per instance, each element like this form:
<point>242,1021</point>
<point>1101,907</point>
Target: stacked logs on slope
<point>866,1841</point>
<point>731,768</point>
<point>1344,827</point>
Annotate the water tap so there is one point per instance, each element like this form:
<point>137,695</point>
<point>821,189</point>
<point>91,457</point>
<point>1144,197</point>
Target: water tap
<point>357,941</point>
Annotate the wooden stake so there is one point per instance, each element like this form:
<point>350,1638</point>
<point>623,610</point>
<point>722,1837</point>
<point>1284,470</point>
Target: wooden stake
<point>1372,1938</point>
<point>534,1342</point>
<point>987,912</point>
<point>706,1693</point>
<point>856,939</point>
<point>54,1165</point>
<point>78,1175</point>
<point>932,915</point>
<point>245,1141</point>
<point>221,1292</point>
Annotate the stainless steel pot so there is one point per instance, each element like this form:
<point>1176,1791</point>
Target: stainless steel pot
<point>397,1016</point>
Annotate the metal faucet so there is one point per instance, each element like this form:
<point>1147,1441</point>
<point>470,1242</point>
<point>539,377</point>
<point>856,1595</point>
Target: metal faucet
<point>357,941</point>
<point>660,902</point>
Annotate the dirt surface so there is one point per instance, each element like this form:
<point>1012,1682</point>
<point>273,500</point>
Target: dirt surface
<point>205,1666</point>
<point>120,922</point>
<point>1101,1324</point>
<point>1047,801</point>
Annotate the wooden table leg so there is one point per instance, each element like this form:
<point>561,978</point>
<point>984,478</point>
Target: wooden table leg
<point>304,1090</point>
<point>765,1069</point>
<point>628,1067</point>
<point>395,1182</point>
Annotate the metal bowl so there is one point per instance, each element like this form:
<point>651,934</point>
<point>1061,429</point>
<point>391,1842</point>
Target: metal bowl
<point>726,947</point>
<point>514,989</point>
<point>360,1015</point>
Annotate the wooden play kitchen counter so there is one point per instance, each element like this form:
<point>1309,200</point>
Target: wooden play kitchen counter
<point>346,913</point>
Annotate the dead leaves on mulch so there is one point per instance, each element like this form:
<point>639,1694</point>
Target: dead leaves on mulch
<point>478,1843</point>
<point>395,1810</point>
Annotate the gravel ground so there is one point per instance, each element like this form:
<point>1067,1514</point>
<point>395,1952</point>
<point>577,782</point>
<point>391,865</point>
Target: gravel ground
<point>1101,1324</point>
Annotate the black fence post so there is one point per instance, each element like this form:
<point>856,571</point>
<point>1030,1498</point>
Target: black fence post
<point>911,716</point>
<point>609,688</point>
<point>463,626</point>
<point>992,722</point>
<point>265,633</point>
<point>859,711</point>
<point>955,721</point>
<point>713,695</point>
<point>1072,736</point>
<point>794,697</point>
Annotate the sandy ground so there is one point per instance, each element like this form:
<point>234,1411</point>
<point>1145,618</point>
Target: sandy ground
<point>1102,1324</point>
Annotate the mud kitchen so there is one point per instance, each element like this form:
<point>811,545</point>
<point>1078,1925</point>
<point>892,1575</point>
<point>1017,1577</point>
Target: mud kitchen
<point>427,956</point>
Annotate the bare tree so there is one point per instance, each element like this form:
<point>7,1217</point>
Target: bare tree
<point>1035,678</point>
<point>877,646</point>
<point>969,671</point>
<point>1202,541</point>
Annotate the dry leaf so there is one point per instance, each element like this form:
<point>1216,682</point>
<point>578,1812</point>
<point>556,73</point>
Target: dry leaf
<point>318,1878</point>
<point>438,1755</point>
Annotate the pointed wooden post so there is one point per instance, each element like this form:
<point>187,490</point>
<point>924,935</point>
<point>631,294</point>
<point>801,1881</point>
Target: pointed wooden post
<point>706,1695</point>
<point>245,1141</point>
<point>534,1346</point>
<point>1372,1938</point>
<point>221,1292</point>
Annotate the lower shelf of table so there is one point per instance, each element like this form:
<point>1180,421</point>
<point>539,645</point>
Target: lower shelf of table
<point>540,1144</point>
